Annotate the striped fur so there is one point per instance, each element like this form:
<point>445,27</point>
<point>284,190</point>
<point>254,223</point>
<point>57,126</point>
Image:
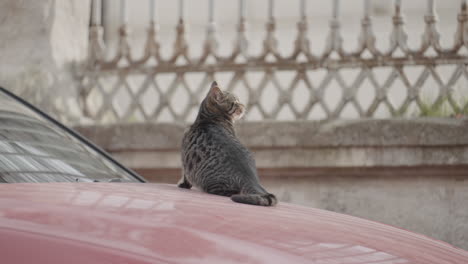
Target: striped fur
<point>214,160</point>
<point>255,199</point>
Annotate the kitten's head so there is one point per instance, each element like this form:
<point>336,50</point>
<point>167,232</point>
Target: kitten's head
<point>223,104</point>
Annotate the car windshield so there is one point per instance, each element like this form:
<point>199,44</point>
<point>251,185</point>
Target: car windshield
<point>34,149</point>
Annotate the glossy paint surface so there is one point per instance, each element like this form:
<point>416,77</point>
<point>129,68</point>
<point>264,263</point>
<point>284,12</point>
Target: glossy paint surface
<point>150,223</point>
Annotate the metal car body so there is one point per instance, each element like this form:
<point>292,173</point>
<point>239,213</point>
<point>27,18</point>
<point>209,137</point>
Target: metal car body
<point>153,223</point>
<point>64,200</point>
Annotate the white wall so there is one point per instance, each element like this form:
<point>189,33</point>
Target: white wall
<point>41,43</point>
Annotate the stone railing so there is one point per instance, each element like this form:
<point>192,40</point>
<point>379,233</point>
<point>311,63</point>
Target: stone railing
<point>157,88</point>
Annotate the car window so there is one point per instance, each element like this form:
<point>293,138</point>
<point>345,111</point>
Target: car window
<point>33,149</point>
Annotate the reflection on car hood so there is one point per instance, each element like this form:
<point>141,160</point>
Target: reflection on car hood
<point>152,223</point>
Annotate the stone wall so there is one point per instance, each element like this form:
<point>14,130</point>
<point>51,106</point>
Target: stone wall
<point>41,44</point>
<point>407,173</point>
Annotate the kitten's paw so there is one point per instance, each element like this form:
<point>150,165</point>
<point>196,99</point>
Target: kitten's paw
<point>184,185</point>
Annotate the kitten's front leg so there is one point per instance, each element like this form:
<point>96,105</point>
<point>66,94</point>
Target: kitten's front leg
<point>183,183</point>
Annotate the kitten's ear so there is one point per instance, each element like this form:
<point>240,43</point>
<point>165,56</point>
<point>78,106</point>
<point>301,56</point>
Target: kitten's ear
<point>215,92</point>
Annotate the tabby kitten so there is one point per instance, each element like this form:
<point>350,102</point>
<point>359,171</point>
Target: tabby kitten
<point>214,160</point>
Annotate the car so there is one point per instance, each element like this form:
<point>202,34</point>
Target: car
<point>65,200</point>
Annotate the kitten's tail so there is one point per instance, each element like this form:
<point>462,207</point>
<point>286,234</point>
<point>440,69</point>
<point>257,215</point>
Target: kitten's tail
<point>266,199</point>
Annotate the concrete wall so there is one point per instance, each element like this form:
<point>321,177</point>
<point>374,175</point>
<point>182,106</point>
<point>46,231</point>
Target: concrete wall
<point>407,173</point>
<point>41,42</point>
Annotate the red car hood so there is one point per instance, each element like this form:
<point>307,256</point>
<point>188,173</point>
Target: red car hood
<point>151,223</point>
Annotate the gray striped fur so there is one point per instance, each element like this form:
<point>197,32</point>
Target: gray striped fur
<point>214,160</point>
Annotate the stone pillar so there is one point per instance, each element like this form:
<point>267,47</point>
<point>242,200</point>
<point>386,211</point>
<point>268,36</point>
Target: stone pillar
<point>41,43</point>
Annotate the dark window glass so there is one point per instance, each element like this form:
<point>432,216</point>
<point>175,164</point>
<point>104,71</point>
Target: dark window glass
<point>34,150</point>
